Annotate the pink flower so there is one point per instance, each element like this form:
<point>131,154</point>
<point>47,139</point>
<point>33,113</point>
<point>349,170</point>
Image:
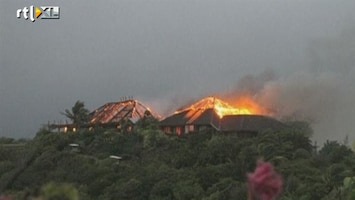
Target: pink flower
<point>264,183</point>
<point>2,197</point>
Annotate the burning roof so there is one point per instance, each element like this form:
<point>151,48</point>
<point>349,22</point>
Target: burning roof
<point>246,106</point>
<point>222,116</point>
<point>114,112</point>
<point>197,117</point>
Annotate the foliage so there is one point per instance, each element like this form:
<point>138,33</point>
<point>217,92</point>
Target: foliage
<point>156,166</point>
<point>55,191</point>
<point>78,114</point>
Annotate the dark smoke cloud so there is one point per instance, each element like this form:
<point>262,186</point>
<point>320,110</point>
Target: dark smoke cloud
<point>253,84</point>
<point>323,94</point>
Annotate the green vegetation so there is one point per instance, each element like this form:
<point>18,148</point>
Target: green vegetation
<point>155,166</point>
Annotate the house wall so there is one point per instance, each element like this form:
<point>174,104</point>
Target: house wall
<point>185,129</point>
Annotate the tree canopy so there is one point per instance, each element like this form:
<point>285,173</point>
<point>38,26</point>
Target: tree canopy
<point>153,165</point>
<point>78,114</point>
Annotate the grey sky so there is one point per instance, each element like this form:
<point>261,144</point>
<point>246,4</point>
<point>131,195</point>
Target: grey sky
<point>162,52</point>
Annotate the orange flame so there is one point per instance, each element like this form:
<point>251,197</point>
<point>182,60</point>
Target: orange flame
<point>241,106</point>
<point>223,108</point>
<point>249,105</point>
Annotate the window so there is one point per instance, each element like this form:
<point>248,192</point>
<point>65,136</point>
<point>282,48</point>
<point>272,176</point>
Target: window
<point>178,130</point>
<point>129,128</point>
<point>191,128</point>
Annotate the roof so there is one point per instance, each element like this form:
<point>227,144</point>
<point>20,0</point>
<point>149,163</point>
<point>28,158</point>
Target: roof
<point>207,111</point>
<point>255,123</point>
<point>196,117</point>
<point>113,112</point>
<point>229,123</point>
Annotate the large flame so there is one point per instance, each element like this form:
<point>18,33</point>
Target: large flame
<point>240,106</point>
<point>249,105</point>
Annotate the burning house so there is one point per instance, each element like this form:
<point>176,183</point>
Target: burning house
<point>112,115</point>
<point>207,114</point>
<point>211,113</point>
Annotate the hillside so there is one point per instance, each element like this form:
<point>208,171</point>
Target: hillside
<point>156,166</point>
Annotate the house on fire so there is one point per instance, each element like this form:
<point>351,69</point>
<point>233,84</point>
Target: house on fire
<point>208,114</point>
<point>112,115</point>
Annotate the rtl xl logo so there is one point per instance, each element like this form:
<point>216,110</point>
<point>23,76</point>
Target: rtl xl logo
<point>41,12</point>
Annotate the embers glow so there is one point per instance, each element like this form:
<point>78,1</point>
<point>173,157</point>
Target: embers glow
<point>240,106</point>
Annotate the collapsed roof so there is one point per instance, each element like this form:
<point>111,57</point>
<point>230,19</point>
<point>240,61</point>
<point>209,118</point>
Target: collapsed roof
<point>114,112</point>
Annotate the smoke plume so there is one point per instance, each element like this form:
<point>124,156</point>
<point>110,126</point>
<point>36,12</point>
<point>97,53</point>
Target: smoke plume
<point>322,94</point>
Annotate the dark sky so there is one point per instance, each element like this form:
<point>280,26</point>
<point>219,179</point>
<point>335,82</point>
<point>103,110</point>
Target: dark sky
<point>162,52</point>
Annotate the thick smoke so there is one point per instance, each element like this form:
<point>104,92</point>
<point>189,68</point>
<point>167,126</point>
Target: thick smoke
<point>326,100</point>
<point>323,93</point>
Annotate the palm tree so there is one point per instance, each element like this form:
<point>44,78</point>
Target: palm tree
<point>79,115</point>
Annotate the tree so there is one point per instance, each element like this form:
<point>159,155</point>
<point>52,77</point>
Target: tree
<point>334,152</point>
<point>55,191</point>
<point>79,115</point>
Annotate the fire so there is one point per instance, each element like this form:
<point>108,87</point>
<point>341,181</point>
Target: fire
<point>223,109</point>
<point>241,106</point>
<point>249,105</point>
